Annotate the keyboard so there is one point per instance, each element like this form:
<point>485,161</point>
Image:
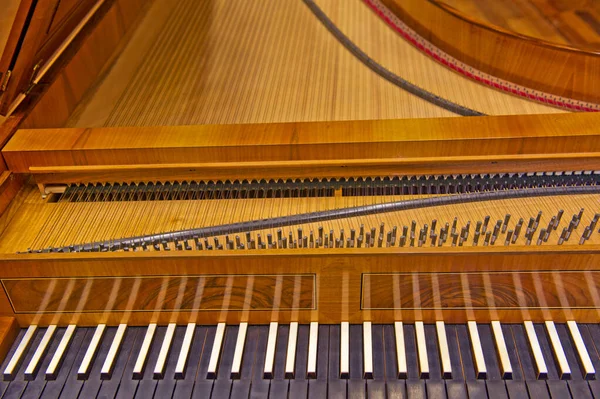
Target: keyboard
<point>420,360</point>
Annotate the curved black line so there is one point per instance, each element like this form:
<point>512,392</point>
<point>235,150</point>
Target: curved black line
<point>385,73</point>
<point>313,217</point>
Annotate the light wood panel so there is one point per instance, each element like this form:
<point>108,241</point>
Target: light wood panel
<point>565,134</point>
<point>555,69</point>
<point>263,71</point>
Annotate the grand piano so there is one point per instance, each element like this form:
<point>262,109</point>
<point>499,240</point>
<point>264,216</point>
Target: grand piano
<point>303,199</point>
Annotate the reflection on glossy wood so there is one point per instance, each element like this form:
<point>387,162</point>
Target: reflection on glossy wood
<point>161,293</point>
<point>501,292</point>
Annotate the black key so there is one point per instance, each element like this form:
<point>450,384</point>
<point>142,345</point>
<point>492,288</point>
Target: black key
<point>91,386</point>
<point>415,387</point>
<point>53,388</point>
<point>455,388</point>
<point>185,386</point>
<point>495,385</point>
<point>537,389</point>
<point>202,385</point>
<point>475,388</point>
<point>317,388</point>
<point>241,387</point>
<point>279,384</point>
<point>395,388</point>
<point>222,385</point>
<point>260,386</point>
<point>337,386</point>
<point>516,387</point>
<point>586,331</point>
<point>147,384</point>
<point>577,386</point>
<point>166,386</point>
<point>356,385</point>
<point>73,384</point>
<point>37,385</point>
<point>129,385</point>
<point>109,387</point>
<point>436,388</point>
<point>376,386</point>
<point>299,385</point>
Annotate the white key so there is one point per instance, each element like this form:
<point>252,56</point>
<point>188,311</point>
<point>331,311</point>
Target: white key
<point>505,365</point>
<point>587,366</point>
<point>480,368</point>
<point>185,351</point>
<point>400,350</point>
<point>36,360</point>
<point>58,356</point>
<point>113,351</point>
<point>313,341</point>
<point>344,350</point>
<point>367,350</point>
<point>216,351</point>
<point>559,353</point>
<point>444,351</point>
<point>239,351</point>
<point>90,354</point>
<point>290,358</point>
<point>422,349</point>
<point>138,368</point>
<point>534,344</point>
<point>165,348</point>
<point>270,354</point>
<point>17,357</point>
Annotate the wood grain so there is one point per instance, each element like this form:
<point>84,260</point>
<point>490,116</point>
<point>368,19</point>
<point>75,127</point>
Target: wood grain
<point>303,141</point>
<point>552,68</point>
<point>506,290</point>
<point>9,329</point>
<point>338,274</point>
<point>163,294</point>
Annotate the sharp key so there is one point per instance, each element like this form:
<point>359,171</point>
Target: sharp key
<point>502,351</point>
<point>480,368</point>
<point>542,369</point>
<point>559,354</point>
<point>367,350</point>
<point>59,354</point>
<point>345,350</point>
<point>311,366</point>
<point>400,350</point>
<point>84,368</point>
<point>159,368</point>
<point>185,351</point>
<point>17,357</point>
<point>239,351</point>
<point>290,357</point>
<point>443,348</point>
<point>216,351</point>
<point>587,366</point>
<point>422,349</point>
<point>109,362</point>
<point>270,353</point>
<point>39,353</point>
<point>138,369</point>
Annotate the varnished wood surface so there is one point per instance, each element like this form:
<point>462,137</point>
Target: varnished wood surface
<point>339,275</point>
<point>87,59</point>
<point>353,140</point>
<point>550,68</point>
<point>8,332</point>
<point>279,64</point>
<point>575,23</point>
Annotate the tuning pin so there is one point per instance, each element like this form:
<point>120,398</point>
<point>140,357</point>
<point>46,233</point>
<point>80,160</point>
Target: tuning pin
<point>269,241</point>
<point>454,239</point>
<point>305,242</point>
<point>260,242</point>
<point>454,222</point>
<point>563,235</point>
<point>508,237</point>
<point>165,246</point>
<point>388,242</point>
<point>368,240</point>
<point>284,242</point>
<point>413,227</point>
<point>517,230</point>
<point>486,240</point>
<point>579,217</point>
<point>359,241</point>
<point>433,239</point>
<point>156,246</point>
<point>394,235</point>
<point>476,238</point>
<point>505,224</point>
<point>433,224</point>
<point>342,236</point>
<point>486,221</point>
<point>187,245</point>
<point>311,240</point>
<point>478,226</point>
<point>300,235</point>
<point>381,229</point>
<point>352,237</point>
<point>178,245</point>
